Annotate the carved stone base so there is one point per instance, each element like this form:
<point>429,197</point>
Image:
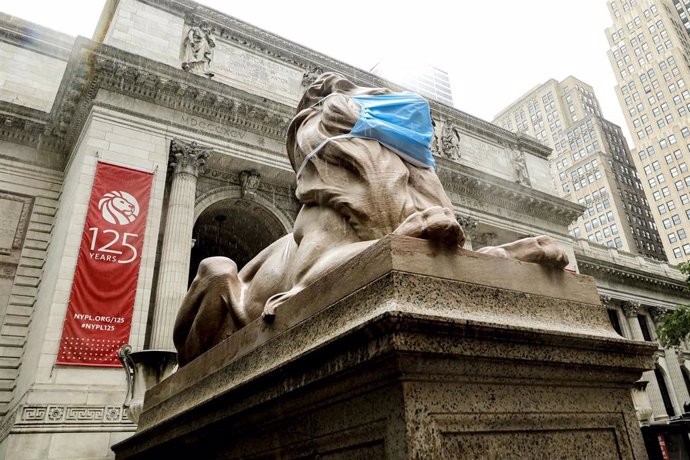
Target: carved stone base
<point>408,352</point>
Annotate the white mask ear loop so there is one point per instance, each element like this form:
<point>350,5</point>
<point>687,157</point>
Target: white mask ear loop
<point>325,141</point>
<point>318,148</point>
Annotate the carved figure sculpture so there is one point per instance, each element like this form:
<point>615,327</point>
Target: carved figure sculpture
<point>434,140</point>
<point>450,141</point>
<point>198,51</point>
<point>353,192</point>
<point>310,76</point>
<point>520,166</point>
<point>249,183</point>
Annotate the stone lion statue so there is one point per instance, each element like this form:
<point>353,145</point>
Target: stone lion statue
<point>354,192</point>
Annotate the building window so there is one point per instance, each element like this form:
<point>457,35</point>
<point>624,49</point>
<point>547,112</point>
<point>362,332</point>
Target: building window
<point>615,322</point>
<point>664,392</point>
<point>642,319</point>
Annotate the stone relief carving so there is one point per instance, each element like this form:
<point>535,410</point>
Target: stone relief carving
<point>435,148</point>
<point>73,415</point>
<point>187,158</point>
<point>450,141</point>
<point>310,76</point>
<point>249,183</point>
<point>352,194</point>
<point>7,270</point>
<point>14,220</point>
<point>520,167</point>
<point>198,50</point>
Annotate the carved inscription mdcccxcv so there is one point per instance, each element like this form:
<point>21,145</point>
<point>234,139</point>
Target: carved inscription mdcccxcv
<point>211,127</point>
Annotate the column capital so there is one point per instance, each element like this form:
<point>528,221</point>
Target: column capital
<point>468,224</point>
<point>630,308</point>
<point>605,300</point>
<point>187,157</point>
<point>657,313</point>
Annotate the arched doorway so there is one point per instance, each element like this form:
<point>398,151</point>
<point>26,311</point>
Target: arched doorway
<point>234,228</point>
<point>660,375</point>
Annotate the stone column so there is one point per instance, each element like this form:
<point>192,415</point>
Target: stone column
<point>673,364</point>
<point>185,161</point>
<point>630,310</point>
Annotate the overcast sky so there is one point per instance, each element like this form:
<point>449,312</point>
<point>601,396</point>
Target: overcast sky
<point>494,51</point>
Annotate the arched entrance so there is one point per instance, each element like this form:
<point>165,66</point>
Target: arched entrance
<point>234,228</point>
<point>660,375</point>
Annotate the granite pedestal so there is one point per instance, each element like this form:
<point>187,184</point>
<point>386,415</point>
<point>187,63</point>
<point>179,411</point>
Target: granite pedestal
<point>408,351</point>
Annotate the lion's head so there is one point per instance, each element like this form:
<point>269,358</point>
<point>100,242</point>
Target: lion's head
<point>118,207</point>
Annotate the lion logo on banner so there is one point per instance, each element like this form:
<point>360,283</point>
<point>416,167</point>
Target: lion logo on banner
<point>119,207</point>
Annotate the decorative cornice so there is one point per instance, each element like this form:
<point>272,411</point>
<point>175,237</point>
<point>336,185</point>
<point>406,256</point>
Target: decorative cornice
<point>491,190</point>
<point>590,265</point>
<point>95,66</point>
<point>26,126</point>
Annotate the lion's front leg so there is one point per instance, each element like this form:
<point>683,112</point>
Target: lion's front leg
<point>540,249</point>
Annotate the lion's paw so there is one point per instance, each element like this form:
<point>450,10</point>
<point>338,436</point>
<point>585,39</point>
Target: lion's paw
<point>435,224</point>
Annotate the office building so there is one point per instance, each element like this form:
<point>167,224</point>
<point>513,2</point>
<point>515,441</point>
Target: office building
<point>590,164</point>
<point>649,56</point>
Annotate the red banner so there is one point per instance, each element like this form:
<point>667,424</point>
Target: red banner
<point>99,313</point>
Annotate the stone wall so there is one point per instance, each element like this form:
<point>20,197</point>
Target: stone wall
<point>147,31</point>
<point>110,138</point>
<point>28,200</point>
<point>31,80</point>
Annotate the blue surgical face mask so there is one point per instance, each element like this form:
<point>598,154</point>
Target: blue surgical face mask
<point>401,122</point>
